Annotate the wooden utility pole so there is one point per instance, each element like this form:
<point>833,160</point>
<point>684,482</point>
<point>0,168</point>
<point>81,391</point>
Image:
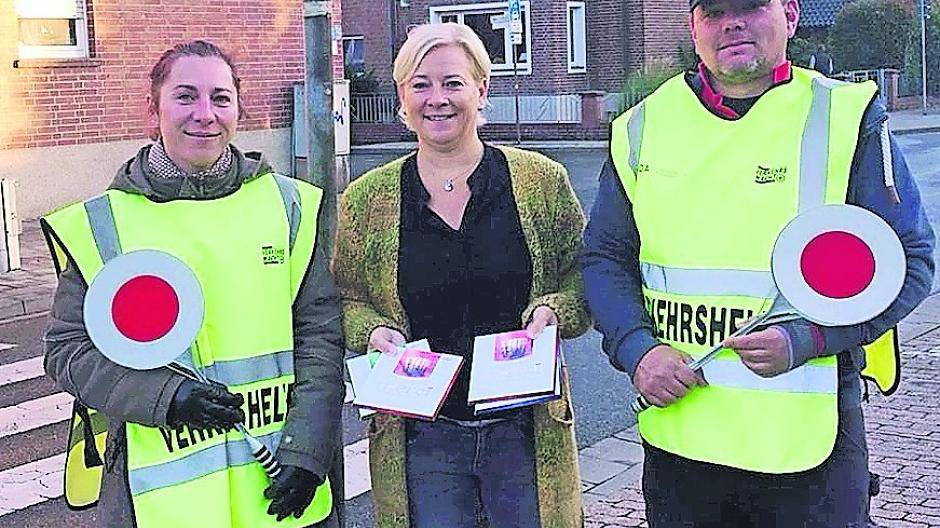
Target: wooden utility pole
<point>319,114</point>
<point>320,148</point>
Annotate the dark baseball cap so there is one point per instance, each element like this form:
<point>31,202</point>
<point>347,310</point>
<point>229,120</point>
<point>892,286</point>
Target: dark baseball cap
<point>693,3</point>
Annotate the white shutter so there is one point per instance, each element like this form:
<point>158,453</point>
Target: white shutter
<point>50,8</point>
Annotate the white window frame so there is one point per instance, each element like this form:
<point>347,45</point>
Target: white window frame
<point>494,8</point>
<point>54,9</point>
<point>577,61</point>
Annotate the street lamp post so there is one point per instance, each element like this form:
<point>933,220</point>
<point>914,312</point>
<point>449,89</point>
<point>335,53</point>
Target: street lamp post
<point>320,151</point>
<point>923,53</point>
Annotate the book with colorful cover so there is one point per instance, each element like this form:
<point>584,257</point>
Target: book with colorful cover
<point>512,366</point>
<point>482,409</point>
<point>413,382</point>
<point>359,369</point>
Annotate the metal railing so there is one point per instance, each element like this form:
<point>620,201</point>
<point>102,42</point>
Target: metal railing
<point>879,76</point>
<point>533,109</point>
<point>373,108</point>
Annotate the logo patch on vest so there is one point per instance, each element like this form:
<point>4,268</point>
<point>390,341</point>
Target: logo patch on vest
<point>769,175</point>
<point>272,255</point>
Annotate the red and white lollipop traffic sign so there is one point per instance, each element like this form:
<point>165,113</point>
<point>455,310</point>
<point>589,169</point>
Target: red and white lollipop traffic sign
<point>838,265</point>
<point>144,309</point>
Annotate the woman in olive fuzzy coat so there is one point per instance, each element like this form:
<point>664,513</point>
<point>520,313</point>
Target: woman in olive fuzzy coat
<point>455,240</point>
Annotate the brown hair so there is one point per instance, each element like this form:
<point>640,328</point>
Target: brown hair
<point>196,48</point>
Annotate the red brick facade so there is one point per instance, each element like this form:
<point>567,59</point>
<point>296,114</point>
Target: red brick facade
<point>103,98</point>
<point>623,36</point>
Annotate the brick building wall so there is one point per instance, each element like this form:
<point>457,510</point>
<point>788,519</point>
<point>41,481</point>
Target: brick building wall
<point>549,43</point>
<point>103,98</point>
<point>370,20</point>
<point>609,34</point>
<point>623,37</point>
<point>67,125</point>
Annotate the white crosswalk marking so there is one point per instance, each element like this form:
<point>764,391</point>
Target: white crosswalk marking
<point>29,484</point>
<point>34,414</point>
<point>41,480</point>
<point>356,468</point>
<point>6,346</point>
<point>36,482</point>
<point>21,371</point>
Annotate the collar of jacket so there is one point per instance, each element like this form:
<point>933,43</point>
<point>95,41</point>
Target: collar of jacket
<point>715,101</point>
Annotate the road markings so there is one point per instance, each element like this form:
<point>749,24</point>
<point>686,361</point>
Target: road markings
<point>356,469</point>
<point>6,346</point>
<point>32,483</point>
<point>34,414</point>
<point>36,482</point>
<point>21,370</point>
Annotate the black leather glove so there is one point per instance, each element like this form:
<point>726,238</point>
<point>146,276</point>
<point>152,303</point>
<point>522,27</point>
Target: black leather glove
<point>292,491</point>
<point>202,406</point>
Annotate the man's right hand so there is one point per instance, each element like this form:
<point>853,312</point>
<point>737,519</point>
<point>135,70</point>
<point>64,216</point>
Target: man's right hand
<point>203,406</point>
<point>385,340</point>
<point>663,376</point>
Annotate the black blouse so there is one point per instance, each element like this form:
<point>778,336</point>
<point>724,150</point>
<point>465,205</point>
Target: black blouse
<point>455,285</point>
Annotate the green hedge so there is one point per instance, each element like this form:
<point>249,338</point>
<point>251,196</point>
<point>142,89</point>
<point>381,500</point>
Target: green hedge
<point>910,75</point>
<point>871,34</point>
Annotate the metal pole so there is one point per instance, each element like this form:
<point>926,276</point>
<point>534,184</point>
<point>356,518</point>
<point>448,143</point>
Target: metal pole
<point>515,83</point>
<point>10,228</point>
<point>320,150</point>
<point>923,52</point>
<point>319,113</point>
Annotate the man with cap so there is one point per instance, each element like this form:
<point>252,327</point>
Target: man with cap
<point>703,175</point>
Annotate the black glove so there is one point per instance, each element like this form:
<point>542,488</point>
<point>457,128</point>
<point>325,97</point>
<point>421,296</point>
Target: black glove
<point>202,406</point>
<point>292,491</point>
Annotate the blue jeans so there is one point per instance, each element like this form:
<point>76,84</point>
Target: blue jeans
<point>685,493</point>
<point>454,470</point>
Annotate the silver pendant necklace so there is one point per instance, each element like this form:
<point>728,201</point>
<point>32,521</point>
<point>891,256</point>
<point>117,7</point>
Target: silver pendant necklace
<point>449,184</point>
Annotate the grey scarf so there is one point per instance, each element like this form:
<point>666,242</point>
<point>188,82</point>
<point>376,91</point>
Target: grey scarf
<point>161,166</point>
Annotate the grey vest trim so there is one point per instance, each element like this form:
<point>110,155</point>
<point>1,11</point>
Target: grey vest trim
<point>814,152</point>
<point>758,284</point>
<point>199,464</point>
<point>103,230</point>
<point>635,135</point>
<point>291,196</point>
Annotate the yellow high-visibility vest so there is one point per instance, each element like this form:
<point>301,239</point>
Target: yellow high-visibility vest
<point>710,196</point>
<point>250,252</point>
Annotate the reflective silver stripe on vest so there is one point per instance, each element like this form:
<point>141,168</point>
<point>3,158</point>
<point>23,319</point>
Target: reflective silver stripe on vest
<point>291,196</point>
<point>248,370</point>
<point>199,464</point>
<point>103,229</point>
<point>814,153</point>
<point>714,282</point>
<point>635,134</point>
<point>805,379</point>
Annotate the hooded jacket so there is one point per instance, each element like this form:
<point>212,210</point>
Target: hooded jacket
<point>144,397</point>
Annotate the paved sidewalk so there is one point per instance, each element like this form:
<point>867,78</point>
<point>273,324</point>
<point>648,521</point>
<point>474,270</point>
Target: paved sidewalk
<point>28,290</point>
<point>915,121</point>
<point>903,433</point>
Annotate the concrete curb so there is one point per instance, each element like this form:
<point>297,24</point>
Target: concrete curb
<point>912,131</point>
<point>17,308</point>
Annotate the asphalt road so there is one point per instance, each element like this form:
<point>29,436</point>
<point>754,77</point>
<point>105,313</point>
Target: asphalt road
<point>600,394</point>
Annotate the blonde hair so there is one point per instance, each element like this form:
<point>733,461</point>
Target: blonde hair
<point>425,38</point>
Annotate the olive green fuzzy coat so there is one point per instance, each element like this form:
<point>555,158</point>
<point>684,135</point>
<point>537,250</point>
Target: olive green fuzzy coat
<point>366,268</point>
